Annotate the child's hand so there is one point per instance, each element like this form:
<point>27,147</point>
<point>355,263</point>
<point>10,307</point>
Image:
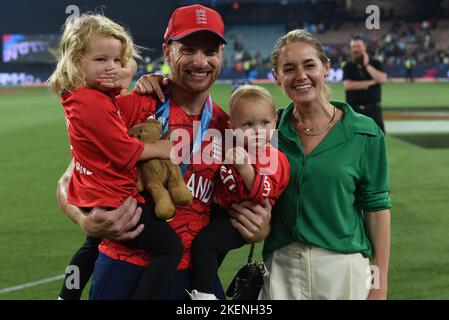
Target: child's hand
<point>116,78</point>
<point>120,78</point>
<point>237,156</point>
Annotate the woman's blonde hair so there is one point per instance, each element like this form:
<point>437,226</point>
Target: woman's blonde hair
<point>299,35</point>
<point>252,92</point>
<point>74,41</point>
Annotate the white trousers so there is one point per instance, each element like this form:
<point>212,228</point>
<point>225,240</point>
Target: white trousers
<point>302,272</point>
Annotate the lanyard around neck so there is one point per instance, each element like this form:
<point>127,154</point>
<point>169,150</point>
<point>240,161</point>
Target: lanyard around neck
<point>163,115</point>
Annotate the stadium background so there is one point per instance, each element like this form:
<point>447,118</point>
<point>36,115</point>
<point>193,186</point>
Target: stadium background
<point>37,240</point>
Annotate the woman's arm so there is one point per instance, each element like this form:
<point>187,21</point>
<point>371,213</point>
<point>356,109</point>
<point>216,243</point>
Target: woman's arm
<point>115,224</point>
<point>378,226</point>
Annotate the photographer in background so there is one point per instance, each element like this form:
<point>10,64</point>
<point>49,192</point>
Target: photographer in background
<point>362,79</point>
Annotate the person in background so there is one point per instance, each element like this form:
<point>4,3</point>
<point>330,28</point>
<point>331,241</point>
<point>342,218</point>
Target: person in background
<point>363,77</point>
<point>409,65</point>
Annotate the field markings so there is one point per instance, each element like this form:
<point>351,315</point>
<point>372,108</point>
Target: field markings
<point>415,126</point>
<point>32,284</point>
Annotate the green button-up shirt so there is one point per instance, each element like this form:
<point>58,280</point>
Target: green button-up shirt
<point>331,188</point>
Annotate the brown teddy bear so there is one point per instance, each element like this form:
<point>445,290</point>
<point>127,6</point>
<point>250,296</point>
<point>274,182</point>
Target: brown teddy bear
<point>161,178</point>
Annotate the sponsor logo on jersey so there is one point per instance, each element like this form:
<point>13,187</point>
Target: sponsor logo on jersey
<point>82,169</point>
<point>266,187</point>
<point>227,177</point>
<point>201,188</point>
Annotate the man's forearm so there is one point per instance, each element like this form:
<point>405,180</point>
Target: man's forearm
<point>117,224</point>
<point>378,224</point>
<point>351,85</point>
<point>378,76</point>
<point>252,220</point>
<point>74,213</point>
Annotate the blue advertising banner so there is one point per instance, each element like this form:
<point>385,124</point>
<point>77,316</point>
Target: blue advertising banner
<point>39,48</point>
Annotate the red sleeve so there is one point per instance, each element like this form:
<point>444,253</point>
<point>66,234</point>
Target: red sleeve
<point>229,187</point>
<point>135,108</point>
<point>99,120</point>
<point>271,179</point>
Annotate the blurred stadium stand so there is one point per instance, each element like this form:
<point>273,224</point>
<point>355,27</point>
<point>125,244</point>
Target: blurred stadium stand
<point>409,29</point>
<point>146,21</point>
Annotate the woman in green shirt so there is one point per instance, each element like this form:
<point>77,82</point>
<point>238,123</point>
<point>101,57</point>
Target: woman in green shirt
<point>330,230</point>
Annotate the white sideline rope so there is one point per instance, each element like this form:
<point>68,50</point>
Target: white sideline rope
<point>32,284</point>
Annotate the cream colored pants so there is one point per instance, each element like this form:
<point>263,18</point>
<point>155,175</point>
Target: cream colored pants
<point>303,272</point>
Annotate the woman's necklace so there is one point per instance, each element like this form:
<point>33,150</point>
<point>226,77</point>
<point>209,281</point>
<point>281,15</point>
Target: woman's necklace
<point>308,131</point>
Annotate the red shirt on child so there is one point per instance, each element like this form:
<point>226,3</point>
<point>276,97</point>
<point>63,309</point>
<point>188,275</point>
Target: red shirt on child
<point>272,178</point>
<point>104,155</point>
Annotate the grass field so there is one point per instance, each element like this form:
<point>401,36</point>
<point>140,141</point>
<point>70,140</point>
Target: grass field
<point>37,240</point>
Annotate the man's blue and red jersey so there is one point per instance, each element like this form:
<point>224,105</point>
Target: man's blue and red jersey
<point>201,178</point>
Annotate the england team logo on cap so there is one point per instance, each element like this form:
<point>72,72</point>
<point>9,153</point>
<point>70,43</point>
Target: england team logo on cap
<point>201,17</point>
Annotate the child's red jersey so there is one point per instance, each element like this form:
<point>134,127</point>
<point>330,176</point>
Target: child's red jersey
<point>104,155</point>
<point>272,177</point>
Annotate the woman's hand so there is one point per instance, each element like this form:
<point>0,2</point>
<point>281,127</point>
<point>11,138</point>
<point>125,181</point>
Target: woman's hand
<point>377,294</point>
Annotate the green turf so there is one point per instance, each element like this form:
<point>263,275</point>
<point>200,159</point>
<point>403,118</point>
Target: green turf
<point>394,96</point>
<point>37,240</point>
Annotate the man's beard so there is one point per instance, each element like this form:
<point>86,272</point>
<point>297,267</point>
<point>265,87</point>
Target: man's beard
<point>357,59</point>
